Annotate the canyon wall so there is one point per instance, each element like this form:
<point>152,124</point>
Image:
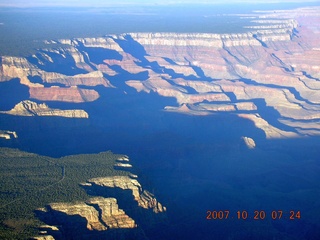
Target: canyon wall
<point>274,66</point>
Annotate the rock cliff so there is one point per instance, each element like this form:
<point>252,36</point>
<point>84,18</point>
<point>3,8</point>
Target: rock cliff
<point>84,219</point>
<point>100,213</point>
<point>29,108</point>
<point>144,198</point>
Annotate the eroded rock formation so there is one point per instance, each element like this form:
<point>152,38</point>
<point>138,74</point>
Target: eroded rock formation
<point>79,219</point>
<point>249,142</point>
<point>71,94</point>
<point>99,213</point>
<point>8,134</point>
<point>144,198</point>
<point>29,108</point>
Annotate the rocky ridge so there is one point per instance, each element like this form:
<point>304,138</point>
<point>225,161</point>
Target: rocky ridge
<point>29,108</point>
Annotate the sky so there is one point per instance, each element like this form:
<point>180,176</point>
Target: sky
<point>102,3</point>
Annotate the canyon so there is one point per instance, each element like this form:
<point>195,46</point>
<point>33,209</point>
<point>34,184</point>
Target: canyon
<point>212,119</point>
<point>276,61</point>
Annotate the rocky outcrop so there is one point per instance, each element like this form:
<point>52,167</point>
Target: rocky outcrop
<point>48,232</point>
<point>249,142</point>
<point>123,159</point>
<point>144,198</point>
<point>269,130</point>
<point>111,215</point>
<point>8,134</point>
<point>45,237</point>
<point>85,211</point>
<point>84,219</point>
<point>123,165</point>
<point>29,108</point>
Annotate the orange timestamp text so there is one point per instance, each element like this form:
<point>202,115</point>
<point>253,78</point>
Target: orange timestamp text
<point>253,215</point>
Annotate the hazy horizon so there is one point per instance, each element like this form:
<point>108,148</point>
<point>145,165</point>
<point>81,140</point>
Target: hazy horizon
<point>97,3</point>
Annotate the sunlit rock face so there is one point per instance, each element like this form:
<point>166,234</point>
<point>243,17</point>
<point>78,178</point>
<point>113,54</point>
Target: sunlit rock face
<point>83,220</point>
<point>143,197</point>
<point>8,134</point>
<point>272,67</point>
<point>29,108</point>
<point>111,215</point>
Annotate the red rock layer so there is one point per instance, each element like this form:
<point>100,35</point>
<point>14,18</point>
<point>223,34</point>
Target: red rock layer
<point>72,94</point>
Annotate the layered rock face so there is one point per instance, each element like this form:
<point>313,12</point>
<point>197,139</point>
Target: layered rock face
<point>143,197</point>
<point>277,62</point>
<point>78,219</point>
<point>14,67</point>
<point>111,216</point>
<point>29,108</point>
<point>95,217</point>
<point>272,67</point>
<point>72,94</point>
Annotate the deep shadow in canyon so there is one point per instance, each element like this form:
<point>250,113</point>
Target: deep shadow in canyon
<point>192,163</point>
<point>12,92</point>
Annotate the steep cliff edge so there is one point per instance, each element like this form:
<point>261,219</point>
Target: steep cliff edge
<point>144,198</point>
<point>29,108</point>
<point>99,213</point>
<point>84,220</point>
